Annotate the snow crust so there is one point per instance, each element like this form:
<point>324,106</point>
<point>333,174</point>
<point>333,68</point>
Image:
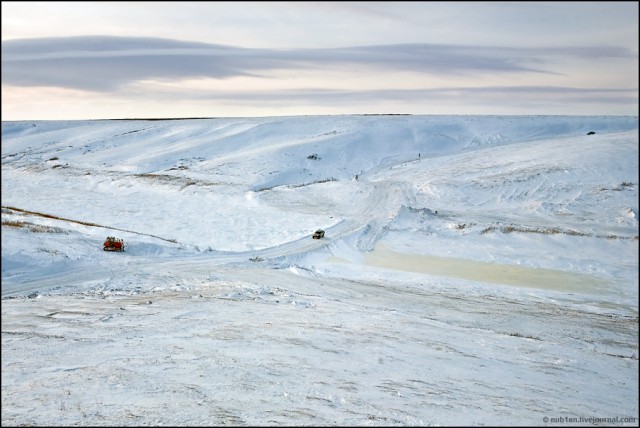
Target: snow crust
<point>476,270</point>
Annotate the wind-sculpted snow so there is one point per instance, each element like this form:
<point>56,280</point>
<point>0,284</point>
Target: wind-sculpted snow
<point>474,271</point>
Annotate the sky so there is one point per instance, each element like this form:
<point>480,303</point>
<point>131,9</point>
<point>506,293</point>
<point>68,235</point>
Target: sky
<point>479,271</point>
<point>92,60</point>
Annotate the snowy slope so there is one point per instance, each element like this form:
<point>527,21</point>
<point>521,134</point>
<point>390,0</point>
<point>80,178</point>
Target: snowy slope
<point>475,270</point>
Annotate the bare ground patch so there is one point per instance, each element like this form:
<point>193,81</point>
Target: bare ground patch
<point>32,227</point>
<point>175,180</point>
<point>7,209</point>
<point>551,231</point>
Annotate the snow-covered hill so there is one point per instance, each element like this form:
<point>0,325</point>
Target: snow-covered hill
<point>475,270</point>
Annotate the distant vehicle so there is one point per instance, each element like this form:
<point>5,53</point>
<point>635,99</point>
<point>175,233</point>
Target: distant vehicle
<point>318,234</point>
<point>113,244</point>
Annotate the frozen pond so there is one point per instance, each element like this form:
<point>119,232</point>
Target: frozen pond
<point>473,270</point>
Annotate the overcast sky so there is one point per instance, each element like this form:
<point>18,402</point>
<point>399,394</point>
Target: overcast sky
<point>90,60</point>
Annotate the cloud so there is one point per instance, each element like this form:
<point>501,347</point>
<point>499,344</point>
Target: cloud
<point>471,95</point>
<point>106,63</point>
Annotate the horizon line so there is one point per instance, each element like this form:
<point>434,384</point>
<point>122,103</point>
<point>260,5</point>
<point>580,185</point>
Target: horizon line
<point>315,115</point>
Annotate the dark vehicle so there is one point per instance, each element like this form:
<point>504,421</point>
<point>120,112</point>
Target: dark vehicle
<point>318,234</point>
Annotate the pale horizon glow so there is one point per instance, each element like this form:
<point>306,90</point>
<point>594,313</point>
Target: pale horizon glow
<point>109,60</point>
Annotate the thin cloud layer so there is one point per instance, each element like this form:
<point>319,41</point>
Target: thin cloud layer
<point>107,77</point>
<point>105,63</point>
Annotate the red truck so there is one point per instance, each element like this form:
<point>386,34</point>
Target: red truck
<point>113,244</point>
